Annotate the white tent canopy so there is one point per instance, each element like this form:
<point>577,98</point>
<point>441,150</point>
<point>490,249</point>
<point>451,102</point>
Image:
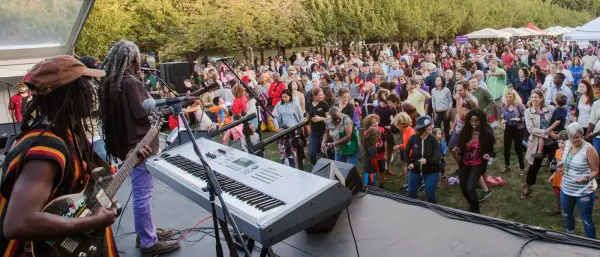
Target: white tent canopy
<point>589,31</point>
<point>488,33</point>
<point>515,32</point>
<point>532,32</point>
<point>525,32</point>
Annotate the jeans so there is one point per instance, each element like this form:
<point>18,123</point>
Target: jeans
<point>585,204</point>
<point>430,181</point>
<point>142,185</point>
<point>596,143</point>
<point>441,118</point>
<point>513,135</point>
<point>314,146</point>
<point>100,149</point>
<point>468,177</point>
<point>549,151</point>
<point>347,158</point>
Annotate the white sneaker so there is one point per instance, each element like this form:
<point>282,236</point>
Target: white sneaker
<point>491,161</point>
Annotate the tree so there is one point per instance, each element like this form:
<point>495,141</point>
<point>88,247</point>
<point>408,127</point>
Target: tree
<point>108,22</point>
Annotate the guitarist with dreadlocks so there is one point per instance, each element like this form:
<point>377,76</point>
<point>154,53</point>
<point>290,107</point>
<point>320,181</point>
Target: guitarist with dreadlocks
<point>125,123</point>
<point>52,158</point>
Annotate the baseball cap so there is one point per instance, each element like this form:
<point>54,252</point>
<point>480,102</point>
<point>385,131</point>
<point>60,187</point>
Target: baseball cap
<point>53,73</point>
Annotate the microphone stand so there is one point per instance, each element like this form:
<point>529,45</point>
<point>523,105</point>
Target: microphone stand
<point>258,104</point>
<point>12,117</point>
<point>160,81</point>
<point>214,189</point>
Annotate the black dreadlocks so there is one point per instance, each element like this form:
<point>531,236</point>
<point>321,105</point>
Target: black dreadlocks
<point>64,109</point>
<point>123,59</point>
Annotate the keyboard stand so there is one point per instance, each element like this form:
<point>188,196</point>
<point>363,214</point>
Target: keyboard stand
<point>264,252</point>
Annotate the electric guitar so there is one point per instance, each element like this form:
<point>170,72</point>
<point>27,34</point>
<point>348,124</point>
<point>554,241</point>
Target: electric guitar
<point>98,192</point>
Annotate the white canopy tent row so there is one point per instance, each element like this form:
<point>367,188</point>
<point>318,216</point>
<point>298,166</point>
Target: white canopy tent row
<point>488,33</point>
<point>588,32</point>
<point>516,32</point>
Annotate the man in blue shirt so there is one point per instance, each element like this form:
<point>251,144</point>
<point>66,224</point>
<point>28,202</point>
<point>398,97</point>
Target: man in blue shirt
<point>559,78</point>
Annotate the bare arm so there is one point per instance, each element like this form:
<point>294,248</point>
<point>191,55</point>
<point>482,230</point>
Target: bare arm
<point>24,219</point>
<point>554,125</point>
<point>425,93</point>
<point>593,161</point>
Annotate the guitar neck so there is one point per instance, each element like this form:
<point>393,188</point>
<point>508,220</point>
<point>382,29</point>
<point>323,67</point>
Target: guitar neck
<point>130,162</point>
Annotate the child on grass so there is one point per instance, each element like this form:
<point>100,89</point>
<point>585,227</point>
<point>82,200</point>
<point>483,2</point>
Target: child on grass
<point>557,174</point>
<point>221,111</point>
<point>371,164</point>
<point>439,135</point>
<point>372,121</point>
<point>557,122</point>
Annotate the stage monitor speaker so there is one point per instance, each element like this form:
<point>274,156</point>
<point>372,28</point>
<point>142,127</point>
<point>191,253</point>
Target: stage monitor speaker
<point>175,73</point>
<point>8,132</point>
<point>344,172</point>
<point>351,178</point>
<point>184,137</point>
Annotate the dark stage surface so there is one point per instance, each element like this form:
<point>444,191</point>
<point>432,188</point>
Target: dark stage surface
<point>383,227</point>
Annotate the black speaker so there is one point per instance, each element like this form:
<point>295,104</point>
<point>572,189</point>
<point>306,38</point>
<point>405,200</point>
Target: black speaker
<point>348,171</point>
<point>8,132</point>
<point>175,73</point>
<point>326,168</point>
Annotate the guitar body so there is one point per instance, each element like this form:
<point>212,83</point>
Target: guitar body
<point>89,244</point>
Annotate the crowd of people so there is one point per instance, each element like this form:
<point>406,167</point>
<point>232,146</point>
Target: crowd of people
<point>409,109</point>
<point>398,109</point>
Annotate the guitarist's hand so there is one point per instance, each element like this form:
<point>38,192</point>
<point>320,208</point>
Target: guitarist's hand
<point>105,216</point>
<point>144,152</point>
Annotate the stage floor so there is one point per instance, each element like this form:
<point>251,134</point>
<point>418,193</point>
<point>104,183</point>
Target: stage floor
<point>382,228</point>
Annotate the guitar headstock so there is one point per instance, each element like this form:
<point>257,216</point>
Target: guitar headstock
<point>156,119</point>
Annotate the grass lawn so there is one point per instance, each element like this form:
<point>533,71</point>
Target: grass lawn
<point>503,203</point>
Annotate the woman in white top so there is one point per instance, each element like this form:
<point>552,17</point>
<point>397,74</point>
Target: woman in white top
<point>298,94</point>
<point>202,120</point>
<point>584,104</point>
<point>580,167</point>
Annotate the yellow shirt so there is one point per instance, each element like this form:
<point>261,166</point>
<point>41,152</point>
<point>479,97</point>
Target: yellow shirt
<point>417,99</point>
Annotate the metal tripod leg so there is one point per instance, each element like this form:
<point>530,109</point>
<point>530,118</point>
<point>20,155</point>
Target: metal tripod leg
<point>228,239</point>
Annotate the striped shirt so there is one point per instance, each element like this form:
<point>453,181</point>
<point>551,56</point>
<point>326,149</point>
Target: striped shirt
<point>576,167</point>
<point>71,178</point>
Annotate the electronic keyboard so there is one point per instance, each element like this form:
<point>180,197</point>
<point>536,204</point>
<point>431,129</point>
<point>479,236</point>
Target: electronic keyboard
<point>268,200</point>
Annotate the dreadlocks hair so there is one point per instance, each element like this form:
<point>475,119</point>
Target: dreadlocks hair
<point>486,133</point>
<point>62,111</point>
<point>123,59</point>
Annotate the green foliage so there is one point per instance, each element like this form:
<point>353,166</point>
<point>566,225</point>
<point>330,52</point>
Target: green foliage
<point>177,28</point>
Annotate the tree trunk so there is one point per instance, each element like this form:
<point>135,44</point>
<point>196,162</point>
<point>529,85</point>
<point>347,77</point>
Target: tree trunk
<point>262,55</point>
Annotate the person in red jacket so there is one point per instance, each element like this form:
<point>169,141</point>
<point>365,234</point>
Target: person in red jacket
<point>240,103</point>
<point>18,103</point>
<point>275,89</point>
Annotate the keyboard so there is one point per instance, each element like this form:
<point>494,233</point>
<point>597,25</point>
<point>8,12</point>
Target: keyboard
<point>268,200</point>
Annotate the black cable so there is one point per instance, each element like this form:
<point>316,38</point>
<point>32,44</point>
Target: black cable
<point>520,252</point>
<point>352,230</point>
<point>123,212</point>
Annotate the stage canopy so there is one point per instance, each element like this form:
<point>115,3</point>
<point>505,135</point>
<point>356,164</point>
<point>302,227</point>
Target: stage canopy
<point>488,33</point>
<point>590,31</point>
<point>32,31</point>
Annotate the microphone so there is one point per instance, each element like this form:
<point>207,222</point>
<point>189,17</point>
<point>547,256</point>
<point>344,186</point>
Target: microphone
<point>148,69</point>
<point>215,59</point>
<point>150,104</point>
